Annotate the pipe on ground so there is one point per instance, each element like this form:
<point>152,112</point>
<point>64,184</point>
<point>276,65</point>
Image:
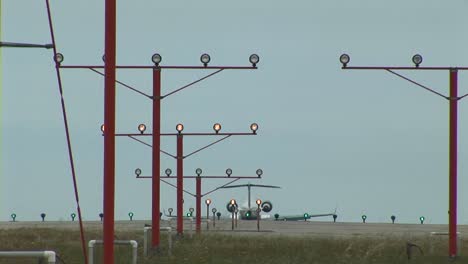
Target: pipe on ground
<point>50,256</point>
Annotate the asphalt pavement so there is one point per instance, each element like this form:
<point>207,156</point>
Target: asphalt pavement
<point>267,227</point>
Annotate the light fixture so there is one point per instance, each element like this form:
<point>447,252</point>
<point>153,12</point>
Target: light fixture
<point>205,59</point>
<point>58,58</point>
<point>254,128</point>
<point>254,59</point>
<point>170,210</point>
<point>364,217</point>
<point>217,127</point>
<point>422,218</point>
<point>208,201</point>
<point>156,58</point>
<point>344,59</point>
<point>231,205</point>
<point>417,59</point>
<point>104,58</point>
<point>168,172</point>
<point>142,128</point>
<point>102,128</point>
<point>179,128</point>
<point>248,214</point>
<point>191,210</point>
<point>393,218</point>
<point>258,202</point>
<point>131,216</point>
<point>229,172</point>
<point>138,172</point>
<point>198,172</point>
<point>259,172</point>
<point>213,210</point>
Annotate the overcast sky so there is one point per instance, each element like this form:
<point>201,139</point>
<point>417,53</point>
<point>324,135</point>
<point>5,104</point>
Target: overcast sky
<point>363,142</point>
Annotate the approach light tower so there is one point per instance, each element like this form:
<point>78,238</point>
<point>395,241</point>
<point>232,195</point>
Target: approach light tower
<point>109,131</point>
<point>180,157</point>
<point>453,99</point>
<point>110,81</point>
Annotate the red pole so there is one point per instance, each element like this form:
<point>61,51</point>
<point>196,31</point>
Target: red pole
<point>198,208</point>
<point>109,131</point>
<point>180,184</point>
<point>258,218</point>
<point>156,185</point>
<point>207,216</point>
<point>453,164</point>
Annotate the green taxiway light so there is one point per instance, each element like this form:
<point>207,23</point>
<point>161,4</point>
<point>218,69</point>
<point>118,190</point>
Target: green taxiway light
<point>364,217</point>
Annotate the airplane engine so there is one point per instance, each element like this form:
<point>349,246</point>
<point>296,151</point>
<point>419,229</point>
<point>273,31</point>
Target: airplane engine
<point>230,207</point>
<point>267,206</point>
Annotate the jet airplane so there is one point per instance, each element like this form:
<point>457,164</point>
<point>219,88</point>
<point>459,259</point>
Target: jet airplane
<point>249,212</point>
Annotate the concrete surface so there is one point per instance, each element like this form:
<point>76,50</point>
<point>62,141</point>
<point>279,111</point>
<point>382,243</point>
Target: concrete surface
<point>268,227</point>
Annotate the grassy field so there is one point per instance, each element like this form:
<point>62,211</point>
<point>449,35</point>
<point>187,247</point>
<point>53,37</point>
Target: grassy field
<point>225,248</point>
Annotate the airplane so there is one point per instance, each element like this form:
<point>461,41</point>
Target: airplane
<point>249,212</point>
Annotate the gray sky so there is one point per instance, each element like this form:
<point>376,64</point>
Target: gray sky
<point>364,142</point>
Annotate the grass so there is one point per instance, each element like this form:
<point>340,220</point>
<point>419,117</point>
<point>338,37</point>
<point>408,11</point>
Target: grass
<point>225,248</point>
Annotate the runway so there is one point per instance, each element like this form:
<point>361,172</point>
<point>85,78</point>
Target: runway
<point>267,227</point>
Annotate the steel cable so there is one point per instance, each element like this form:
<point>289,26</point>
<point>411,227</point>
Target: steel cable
<point>67,132</point>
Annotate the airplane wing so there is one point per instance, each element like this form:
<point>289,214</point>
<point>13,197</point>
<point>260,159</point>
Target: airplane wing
<point>250,185</point>
<point>302,217</point>
<point>321,215</point>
